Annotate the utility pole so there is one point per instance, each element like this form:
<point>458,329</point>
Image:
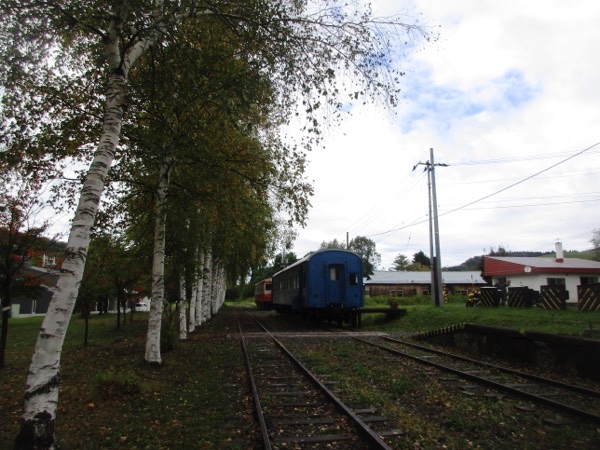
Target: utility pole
<point>434,231</point>
<point>431,240</point>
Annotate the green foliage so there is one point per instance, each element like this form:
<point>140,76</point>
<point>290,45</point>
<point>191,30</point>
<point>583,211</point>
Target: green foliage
<point>362,246</point>
<point>169,337</point>
<point>425,316</point>
<point>474,263</point>
<point>400,262</point>
<point>596,243</point>
<point>365,247</point>
<point>422,258</point>
<point>402,386</point>
<point>111,384</point>
<point>387,300</point>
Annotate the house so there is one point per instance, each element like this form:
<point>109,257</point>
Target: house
<point>568,274</point>
<point>406,284</point>
<point>37,299</point>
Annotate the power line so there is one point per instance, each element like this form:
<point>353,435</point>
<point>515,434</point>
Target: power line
<point>511,159</point>
<point>493,193</point>
<point>573,198</point>
<point>523,180</point>
<point>375,212</point>
<point>533,204</point>
<point>499,180</point>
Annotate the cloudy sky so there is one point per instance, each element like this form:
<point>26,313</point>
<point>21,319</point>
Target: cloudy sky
<point>509,98</point>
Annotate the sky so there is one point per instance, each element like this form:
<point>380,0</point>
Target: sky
<point>509,99</point>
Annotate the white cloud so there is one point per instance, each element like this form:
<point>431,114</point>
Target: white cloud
<point>508,81</point>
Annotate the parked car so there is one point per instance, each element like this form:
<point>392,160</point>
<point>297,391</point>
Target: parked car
<point>142,307</point>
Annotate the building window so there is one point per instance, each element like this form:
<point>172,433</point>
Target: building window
<point>589,280</point>
<point>555,281</point>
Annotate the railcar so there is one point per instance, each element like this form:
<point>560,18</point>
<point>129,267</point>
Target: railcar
<point>326,284</point>
<point>263,295</point>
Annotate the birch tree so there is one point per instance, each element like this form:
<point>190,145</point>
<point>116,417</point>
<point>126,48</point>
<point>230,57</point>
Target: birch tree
<point>303,46</point>
<point>183,128</point>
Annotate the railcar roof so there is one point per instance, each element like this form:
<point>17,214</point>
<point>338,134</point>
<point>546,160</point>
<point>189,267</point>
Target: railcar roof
<point>310,255</point>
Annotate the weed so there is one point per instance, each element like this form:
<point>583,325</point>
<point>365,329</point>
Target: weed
<point>402,387</point>
<point>113,384</point>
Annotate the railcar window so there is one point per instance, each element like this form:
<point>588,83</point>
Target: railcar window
<point>268,287</point>
<point>353,279</point>
<point>334,273</point>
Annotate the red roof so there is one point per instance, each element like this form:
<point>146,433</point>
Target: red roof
<point>513,265</point>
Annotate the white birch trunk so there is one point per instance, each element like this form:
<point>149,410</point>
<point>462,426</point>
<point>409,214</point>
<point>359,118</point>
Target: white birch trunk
<point>199,285</point>
<point>183,306</point>
<point>152,354</point>
<point>206,288</point>
<point>214,279</point>
<point>220,287</point>
<point>223,287</point>
<point>41,390</point>
<point>192,303</point>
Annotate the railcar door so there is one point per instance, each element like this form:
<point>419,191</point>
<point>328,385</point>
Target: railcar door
<point>335,284</point>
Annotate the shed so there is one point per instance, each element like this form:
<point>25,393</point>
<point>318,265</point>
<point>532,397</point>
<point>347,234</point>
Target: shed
<point>406,284</point>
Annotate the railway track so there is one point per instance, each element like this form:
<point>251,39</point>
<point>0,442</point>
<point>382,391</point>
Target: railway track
<point>574,400</point>
<point>294,408</point>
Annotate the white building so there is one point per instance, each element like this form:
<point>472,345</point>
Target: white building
<point>535,272</point>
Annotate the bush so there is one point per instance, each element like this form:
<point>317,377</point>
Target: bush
<point>386,300</point>
<point>111,384</point>
<point>169,337</point>
<point>233,293</point>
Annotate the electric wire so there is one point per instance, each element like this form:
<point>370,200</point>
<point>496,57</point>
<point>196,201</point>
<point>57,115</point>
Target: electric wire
<point>375,212</point>
<point>520,181</point>
<point>519,158</point>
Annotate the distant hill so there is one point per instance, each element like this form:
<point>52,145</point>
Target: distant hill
<point>586,254</point>
<point>475,263</point>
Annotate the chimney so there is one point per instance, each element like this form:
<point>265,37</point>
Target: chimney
<point>559,252</point>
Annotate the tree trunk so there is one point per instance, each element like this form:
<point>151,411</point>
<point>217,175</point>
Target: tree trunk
<point>124,305</point>
<point>220,287</point>
<point>206,288</point>
<point>192,306</point>
<point>86,331</point>
<point>41,390</point>
<point>41,393</point>
<point>183,306</point>
<point>199,286</point>
<point>4,336</point>
<point>118,313</point>
<point>152,354</point>
<point>6,302</point>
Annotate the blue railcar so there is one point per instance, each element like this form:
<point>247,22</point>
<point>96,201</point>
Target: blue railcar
<point>326,284</point>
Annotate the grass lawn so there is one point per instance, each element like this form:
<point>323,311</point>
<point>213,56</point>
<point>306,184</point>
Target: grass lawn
<point>422,316</point>
<point>197,399</point>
